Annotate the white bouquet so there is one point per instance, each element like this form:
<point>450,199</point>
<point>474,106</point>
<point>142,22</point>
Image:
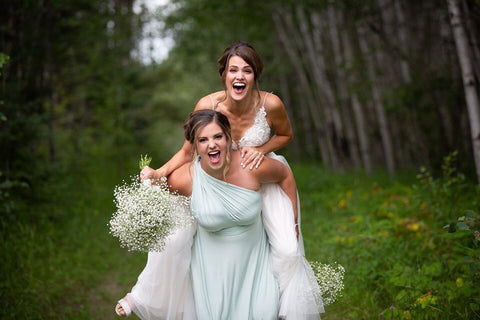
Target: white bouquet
<point>147,214</point>
<point>329,279</point>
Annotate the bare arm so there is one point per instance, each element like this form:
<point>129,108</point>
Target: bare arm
<point>183,156</point>
<point>180,180</point>
<point>280,123</point>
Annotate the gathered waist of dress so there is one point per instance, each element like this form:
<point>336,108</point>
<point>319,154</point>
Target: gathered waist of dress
<point>233,231</point>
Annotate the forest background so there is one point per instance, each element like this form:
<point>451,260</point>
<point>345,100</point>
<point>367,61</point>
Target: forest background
<point>382,96</point>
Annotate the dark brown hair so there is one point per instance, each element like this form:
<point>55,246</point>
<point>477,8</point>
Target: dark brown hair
<point>247,53</point>
<point>198,120</point>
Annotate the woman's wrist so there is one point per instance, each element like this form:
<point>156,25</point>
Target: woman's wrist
<point>158,174</point>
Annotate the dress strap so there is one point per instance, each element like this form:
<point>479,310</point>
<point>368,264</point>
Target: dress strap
<point>213,103</point>
<point>265,99</point>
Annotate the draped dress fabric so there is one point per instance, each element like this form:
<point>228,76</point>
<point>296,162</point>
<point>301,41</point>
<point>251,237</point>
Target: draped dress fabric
<point>300,296</point>
<point>231,273</point>
<point>164,288</point>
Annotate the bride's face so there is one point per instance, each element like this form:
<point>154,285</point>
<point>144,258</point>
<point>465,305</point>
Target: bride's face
<point>239,79</point>
<point>212,146</point>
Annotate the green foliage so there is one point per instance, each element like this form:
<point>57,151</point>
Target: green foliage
<point>3,60</point>
<point>442,196</point>
<point>71,91</point>
<point>400,262</point>
<point>60,261</point>
<point>7,187</point>
<point>144,161</point>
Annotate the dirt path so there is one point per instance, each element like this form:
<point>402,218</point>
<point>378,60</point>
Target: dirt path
<point>102,299</point>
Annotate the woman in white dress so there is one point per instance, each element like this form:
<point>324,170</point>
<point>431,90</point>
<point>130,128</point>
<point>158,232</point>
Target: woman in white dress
<point>253,115</point>
<point>240,68</point>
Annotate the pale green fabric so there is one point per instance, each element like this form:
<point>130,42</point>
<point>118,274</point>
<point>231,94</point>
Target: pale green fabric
<point>231,275</point>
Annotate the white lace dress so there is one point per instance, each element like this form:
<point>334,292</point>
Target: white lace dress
<point>163,289</point>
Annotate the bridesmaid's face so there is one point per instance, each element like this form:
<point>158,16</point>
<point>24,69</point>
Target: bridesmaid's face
<point>212,147</point>
<point>239,78</point>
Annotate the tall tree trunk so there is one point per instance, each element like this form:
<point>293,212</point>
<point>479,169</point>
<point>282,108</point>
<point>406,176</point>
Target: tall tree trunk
<point>362,136</point>
<point>469,81</point>
<point>323,90</point>
<point>342,87</point>
<point>473,38</point>
<point>402,34</point>
<point>331,106</point>
<point>47,78</point>
<point>294,145</point>
<point>358,112</point>
<point>311,141</point>
<point>51,125</point>
<point>447,56</point>
<point>308,96</point>
<point>377,101</point>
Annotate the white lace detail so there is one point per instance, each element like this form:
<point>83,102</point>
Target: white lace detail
<point>257,135</point>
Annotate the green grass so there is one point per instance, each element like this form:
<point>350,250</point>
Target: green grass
<point>60,262</point>
<point>389,235</point>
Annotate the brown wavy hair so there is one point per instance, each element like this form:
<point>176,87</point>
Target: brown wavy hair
<point>247,53</point>
<point>198,120</point>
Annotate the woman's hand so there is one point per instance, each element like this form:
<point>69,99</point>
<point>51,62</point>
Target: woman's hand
<point>149,173</point>
<point>251,157</point>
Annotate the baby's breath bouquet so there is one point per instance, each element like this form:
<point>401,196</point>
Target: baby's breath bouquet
<point>147,214</point>
<point>329,279</point>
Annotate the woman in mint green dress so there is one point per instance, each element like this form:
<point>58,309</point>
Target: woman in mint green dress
<point>231,275</point>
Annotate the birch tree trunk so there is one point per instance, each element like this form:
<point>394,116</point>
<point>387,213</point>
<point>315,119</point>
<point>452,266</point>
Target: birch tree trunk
<point>447,54</point>
<point>473,40</point>
<point>308,95</point>
<point>402,34</point>
<point>377,100</point>
<point>333,111</point>
<point>311,140</point>
<point>316,70</point>
<point>469,81</point>
<point>358,112</point>
<point>288,106</point>
<point>342,87</point>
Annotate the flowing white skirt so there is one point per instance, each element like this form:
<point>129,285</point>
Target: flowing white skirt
<point>163,289</point>
<point>300,296</point>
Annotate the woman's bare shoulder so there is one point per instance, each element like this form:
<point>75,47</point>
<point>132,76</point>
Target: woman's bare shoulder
<point>277,114</point>
<point>272,102</point>
<point>209,100</point>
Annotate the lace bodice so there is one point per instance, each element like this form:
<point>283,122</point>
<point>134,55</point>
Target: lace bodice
<point>257,135</point>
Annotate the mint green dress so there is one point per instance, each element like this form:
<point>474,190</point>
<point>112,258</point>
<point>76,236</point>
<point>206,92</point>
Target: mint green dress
<point>231,275</point>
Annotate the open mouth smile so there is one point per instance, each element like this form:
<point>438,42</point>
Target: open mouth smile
<point>239,87</point>
<point>214,157</point>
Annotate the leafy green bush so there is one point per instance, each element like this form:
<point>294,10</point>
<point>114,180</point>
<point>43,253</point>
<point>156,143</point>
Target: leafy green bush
<point>400,262</point>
